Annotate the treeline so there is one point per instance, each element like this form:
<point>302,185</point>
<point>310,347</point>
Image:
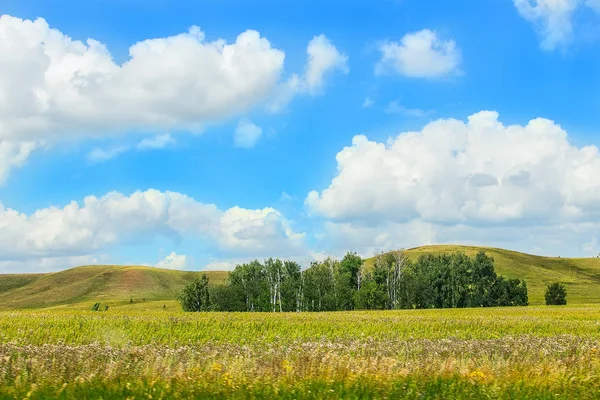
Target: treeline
<point>391,282</point>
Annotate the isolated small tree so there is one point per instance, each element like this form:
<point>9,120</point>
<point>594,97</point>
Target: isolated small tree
<point>556,295</point>
<point>195,297</point>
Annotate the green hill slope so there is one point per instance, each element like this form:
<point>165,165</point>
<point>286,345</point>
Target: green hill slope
<point>119,284</point>
<point>95,283</point>
<point>580,275</point>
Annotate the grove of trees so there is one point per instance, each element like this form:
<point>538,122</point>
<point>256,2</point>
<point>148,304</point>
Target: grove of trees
<point>392,281</point>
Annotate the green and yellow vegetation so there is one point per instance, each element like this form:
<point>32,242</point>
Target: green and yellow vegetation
<point>117,284</point>
<point>505,353</point>
<point>145,346</point>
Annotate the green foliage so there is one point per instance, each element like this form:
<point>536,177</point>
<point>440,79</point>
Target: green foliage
<point>96,307</point>
<point>556,295</point>
<point>195,297</point>
<point>393,282</point>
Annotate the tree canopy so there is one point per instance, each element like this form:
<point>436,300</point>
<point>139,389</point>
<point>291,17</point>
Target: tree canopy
<point>391,282</point>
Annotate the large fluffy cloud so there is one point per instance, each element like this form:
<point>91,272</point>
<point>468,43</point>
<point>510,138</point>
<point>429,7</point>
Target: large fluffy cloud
<point>420,54</point>
<point>476,174</point>
<point>55,88</point>
<point>52,86</point>
<point>473,172</point>
<point>115,219</point>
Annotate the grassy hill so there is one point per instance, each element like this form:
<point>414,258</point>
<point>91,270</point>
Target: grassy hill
<point>580,275</point>
<point>95,283</point>
<point>118,284</point>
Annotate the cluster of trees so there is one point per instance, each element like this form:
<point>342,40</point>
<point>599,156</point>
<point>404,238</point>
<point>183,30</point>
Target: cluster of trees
<point>392,281</point>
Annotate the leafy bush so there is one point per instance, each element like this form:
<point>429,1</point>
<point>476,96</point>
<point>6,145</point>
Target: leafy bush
<point>556,295</point>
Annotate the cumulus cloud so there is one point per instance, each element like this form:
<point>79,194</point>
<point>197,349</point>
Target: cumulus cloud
<point>114,219</point>
<point>55,88</point>
<point>478,173</point>
<point>246,134</point>
<point>173,261</point>
<point>368,103</point>
<point>421,54</point>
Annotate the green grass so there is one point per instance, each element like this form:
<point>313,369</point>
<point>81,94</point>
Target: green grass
<point>580,275</point>
<point>117,284</point>
<point>162,353</point>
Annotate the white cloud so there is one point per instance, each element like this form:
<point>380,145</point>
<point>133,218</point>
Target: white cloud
<point>246,134</point>
<point>157,142</point>
<point>555,20</point>
<point>394,107</point>
<point>116,219</point>
<point>368,103</point>
<point>13,154</point>
<point>173,261</point>
<point>47,264</point>
<point>98,155</point>
<point>476,174</point>
<point>54,86</point>
<point>551,18</point>
<point>420,55</point>
<point>565,240</point>
<point>323,57</point>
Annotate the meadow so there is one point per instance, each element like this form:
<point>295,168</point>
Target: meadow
<point>153,350</point>
<point>143,346</point>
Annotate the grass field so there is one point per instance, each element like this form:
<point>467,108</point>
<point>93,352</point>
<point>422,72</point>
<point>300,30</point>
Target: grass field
<point>159,352</point>
<point>53,346</point>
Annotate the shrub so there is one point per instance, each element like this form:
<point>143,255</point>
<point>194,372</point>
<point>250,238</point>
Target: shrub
<point>556,295</point>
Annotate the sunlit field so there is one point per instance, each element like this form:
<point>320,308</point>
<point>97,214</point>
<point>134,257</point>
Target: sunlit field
<point>153,350</point>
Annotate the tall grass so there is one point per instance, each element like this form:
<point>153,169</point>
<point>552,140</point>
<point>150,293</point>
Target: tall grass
<point>535,352</point>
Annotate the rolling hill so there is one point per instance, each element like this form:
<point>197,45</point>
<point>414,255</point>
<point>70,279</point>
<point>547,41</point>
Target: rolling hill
<point>119,284</point>
<point>580,275</point>
<point>95,283</point>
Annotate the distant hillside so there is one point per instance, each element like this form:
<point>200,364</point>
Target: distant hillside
<point>119,284</point>
<point>581,275</point>
<point>95,283</point>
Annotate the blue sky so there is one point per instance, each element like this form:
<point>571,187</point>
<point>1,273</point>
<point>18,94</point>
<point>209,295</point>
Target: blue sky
<point>201,155</point>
